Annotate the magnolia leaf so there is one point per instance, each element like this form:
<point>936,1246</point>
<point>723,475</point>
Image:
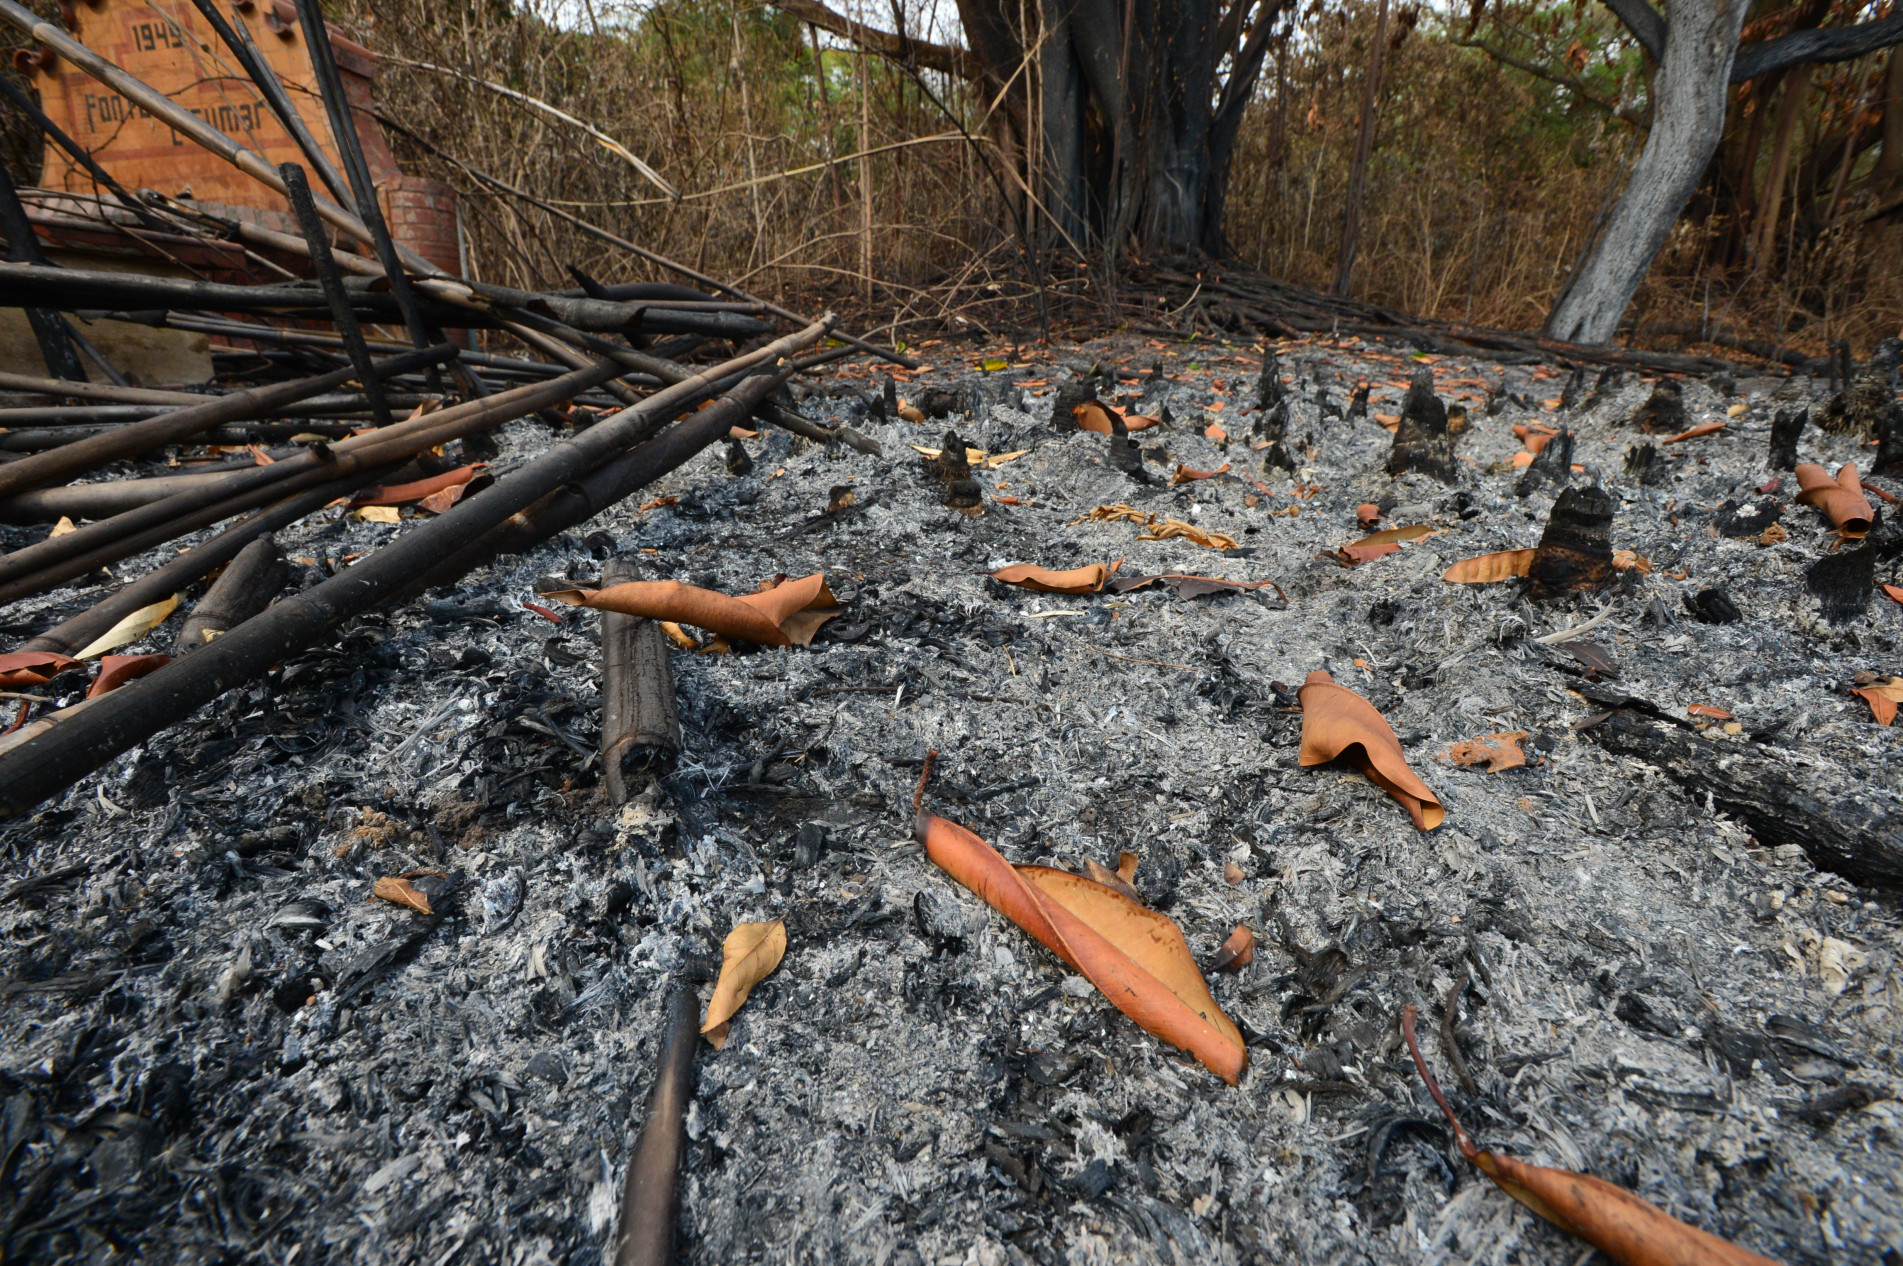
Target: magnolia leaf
<point>1338,723</point>
<point>1237,952</point>
<point>1495,751</point>
<point>784,614</point>
<point>1075,581</point>
<point>396,888</point>
<point>130,629</point>
<point>747,957</point>
<point>1487,569</point>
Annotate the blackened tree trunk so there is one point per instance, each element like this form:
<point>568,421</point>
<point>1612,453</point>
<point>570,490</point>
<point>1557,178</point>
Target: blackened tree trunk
<point>1137,105</point>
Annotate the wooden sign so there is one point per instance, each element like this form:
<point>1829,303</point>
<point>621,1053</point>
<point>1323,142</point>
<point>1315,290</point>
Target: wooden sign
<point>169,45</point>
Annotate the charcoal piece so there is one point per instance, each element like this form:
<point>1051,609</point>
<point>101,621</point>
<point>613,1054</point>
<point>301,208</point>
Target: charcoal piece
<point>1551,467</point>
<point>1575,384</point>
<point>1125,455</point>
<point>1663,410</point>
<point>738,462</point>
<point>1889,458</point>
<point>1067,397</point>
<point>1860,407</point>
<point>889,399</point>
<point>1787,427</point>
<point>1575,552</point>
<point>1497,399</point>
<point>1740,521</point>
<point>1843,582</point>
<point>1095,1179</point>
<point>1324,406</point>
<point>809,844</point>
<point>1272,423</point>
<point>1643,464</point>
<point>1713,606</point>
<point>1358,403</point>
<point>548,1066</point>
<point>1422,442</point>
<point>1268,384</point>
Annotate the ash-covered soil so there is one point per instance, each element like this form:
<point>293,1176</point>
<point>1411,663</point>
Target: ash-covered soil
<point>214,1046</point>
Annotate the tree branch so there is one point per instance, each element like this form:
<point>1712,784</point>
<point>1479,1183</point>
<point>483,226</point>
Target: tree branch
<point>1578,86</point>
<point>900,48</point>
<point>1644,22</point>
<point>1819,44</point>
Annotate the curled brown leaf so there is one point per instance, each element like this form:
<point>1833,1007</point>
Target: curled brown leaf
<point>1077,580</point>
<point>1337,723</point>
<point>397,889</point>
<point>787,614</point>
<point>117,670</point>
<point>1136,957</point>
<point>1237,952</point>
<point>1841,499</point>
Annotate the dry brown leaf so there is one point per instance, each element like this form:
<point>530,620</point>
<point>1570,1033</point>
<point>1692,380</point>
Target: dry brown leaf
<point>1495,751</point>
<point>1111,879</point>
<point>1215,432</point>
<point>1232,874</point>
<point>1355,555</point>
<point>1127,866</point>
<point>973,456</point>
<point>1118,513</point>
<point>1841,499</point>
<point>1337,723</point>
<point>1487,569</point>
<point>1707,710</point>
<point>786,614</point>
<point>117,670</point>
<point>417,490</point>
<point>61,528</point>
<point>678,635</point>
<point>397,888</point>
<point>32,668</point>
<point>130,629</point>
<point>378,514</point>
<point>747,957</point>
<point>1075,581</point>
<point>1367,514</point>
<point>910,412</point>
<point>1773,534</point>
<point>1882,696</point>
<point>1625,1228</point>
<point>1169,529</point>
<point>1413,532</point>
<point>1237,952</point>
<point>1189,474</point>
<point>1136,957</point>
<point>1893,592</point>
<point>1629,560</point>
<point>1703,428</point>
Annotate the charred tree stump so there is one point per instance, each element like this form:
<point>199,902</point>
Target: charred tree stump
<point>1843,825</point>
<point>640,724</point>
<point>1663,410</point>
<point>1553,465</point>
<point>1575,552</point>
<point>1786,429</point>
<point>246,587</point>
<point>1843,583</point>
<point>1422,442</point>
<point>1889,458</point>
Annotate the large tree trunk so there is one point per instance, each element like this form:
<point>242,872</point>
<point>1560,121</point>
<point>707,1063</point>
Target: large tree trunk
<point>1688,119</point>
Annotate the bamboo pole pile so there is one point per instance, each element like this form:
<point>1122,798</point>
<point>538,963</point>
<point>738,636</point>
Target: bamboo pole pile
<point>348,415</point>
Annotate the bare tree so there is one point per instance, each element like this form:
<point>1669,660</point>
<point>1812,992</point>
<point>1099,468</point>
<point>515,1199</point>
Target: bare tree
<point>1698,56</point>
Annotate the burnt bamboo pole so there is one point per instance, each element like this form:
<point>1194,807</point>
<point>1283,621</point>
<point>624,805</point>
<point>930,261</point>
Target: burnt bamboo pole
<point>650,1199</point>
<point>243,589</point>
<point>332,282</point>
<point>193,565</point>
<point>47,764</point>
<point>343,131</point>
<point>106,498</point>
<point>39,386</point>
<point>75,415</point>
<point>42,565</point>
<point>271,88</point>
<point>23,247</point>
<point>72,459</point>
<point>640,722</point>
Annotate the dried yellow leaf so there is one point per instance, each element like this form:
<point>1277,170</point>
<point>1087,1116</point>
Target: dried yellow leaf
<point>748,956</point>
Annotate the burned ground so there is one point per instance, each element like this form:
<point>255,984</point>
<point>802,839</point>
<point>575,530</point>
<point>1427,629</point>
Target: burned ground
<point>217,1047</point>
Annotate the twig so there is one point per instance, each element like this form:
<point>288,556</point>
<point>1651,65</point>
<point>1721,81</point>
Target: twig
<point>1467,1147</point>
<point>1450,1010</point>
